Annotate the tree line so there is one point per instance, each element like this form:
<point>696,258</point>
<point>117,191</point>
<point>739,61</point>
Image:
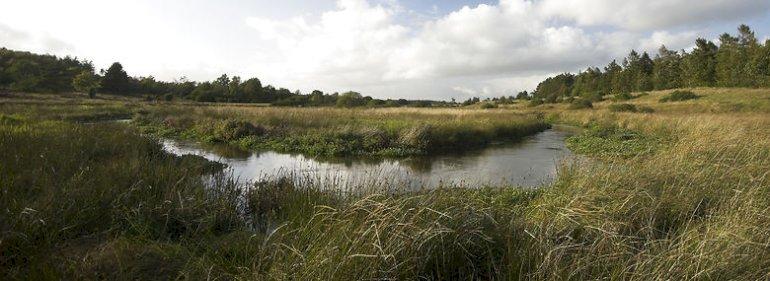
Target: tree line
<point>738,61</point>
<point>28,72</point>
<point>35,73</point>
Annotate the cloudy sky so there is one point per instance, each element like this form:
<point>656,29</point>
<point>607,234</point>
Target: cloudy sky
<point>436,49</point>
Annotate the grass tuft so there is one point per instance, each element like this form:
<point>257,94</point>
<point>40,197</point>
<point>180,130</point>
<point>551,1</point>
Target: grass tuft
<point>679,95</point>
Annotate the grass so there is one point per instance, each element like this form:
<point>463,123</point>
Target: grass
<point>341,132</point>
<point>625,107</point>
<point>609,140</point>
<point>581,104</point>
<point>681,193</point>
<point>622,107</point>
<point>679,96</point>
<point>66,187</point>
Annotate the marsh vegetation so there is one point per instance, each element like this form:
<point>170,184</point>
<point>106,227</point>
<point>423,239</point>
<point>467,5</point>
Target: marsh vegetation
<point>681,193</point>
<point>530,162</point>
<point>341,132</point>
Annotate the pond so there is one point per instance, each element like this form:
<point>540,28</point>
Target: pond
<point>531,162</point>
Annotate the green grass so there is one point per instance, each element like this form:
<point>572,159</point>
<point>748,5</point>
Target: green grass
<point>678,194</point>
<point>679,96</point>
<point>83,113</point>
<point>342,132</point>
<point>622,107</point>
<point>581,104</point>
<point>625,107</point>
<point>67,186</point>
<point>605,140</point>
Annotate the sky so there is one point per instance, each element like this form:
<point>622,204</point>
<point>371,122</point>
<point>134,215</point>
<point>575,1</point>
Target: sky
<point>429,49</point>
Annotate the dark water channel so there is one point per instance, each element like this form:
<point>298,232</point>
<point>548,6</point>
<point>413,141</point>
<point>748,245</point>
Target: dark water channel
<point>529,163</point>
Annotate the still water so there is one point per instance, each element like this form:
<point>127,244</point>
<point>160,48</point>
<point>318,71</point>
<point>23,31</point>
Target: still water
<point>528,163</point>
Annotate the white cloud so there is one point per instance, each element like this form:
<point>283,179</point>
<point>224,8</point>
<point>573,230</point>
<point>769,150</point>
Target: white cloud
<point>652,14</point>
<point>384,50</point>
<point>351,43</point>
<point>37,42</point>
<point>359,44</point>
<point>674,41</point>
<point>465,91</point>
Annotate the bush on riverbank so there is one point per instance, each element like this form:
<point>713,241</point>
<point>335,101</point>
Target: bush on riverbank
<point>231,130</point>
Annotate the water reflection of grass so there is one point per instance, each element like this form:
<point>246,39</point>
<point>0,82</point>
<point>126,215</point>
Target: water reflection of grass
<point>246,163</point>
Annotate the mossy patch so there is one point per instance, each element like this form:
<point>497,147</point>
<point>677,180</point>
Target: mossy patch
<point>612,141</point>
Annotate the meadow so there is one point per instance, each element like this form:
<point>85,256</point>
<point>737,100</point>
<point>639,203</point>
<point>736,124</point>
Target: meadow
<point>680,191</point>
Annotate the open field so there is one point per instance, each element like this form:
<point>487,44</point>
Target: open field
<point>711,100</point>
<point>682,192</point>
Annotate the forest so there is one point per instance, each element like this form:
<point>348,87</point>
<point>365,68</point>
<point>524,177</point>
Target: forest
<point>34,73</point>
<point>738,61</point>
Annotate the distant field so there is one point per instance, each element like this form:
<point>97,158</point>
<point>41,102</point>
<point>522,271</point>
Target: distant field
<point>677,191</point>
<point>712,100</point>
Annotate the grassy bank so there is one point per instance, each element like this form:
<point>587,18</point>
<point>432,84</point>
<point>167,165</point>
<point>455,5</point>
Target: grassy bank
<point>341,132</point>
<point>681,193</point>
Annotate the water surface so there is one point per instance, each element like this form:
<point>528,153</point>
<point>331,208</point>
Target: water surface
<point>529,163</point>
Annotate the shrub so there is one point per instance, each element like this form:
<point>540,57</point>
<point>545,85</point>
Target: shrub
<point>679,96</point>
<point>536,102</point>
<point>581,104</point>
<point>230,130</point>
<point>418,137</point>
<point>373,139</point>
<point>646,109</point>
<point>488,105</point>
<point>610,140</point>
<point>622,97</point>
<point>179,123</point>
<point>623,107</point>
<point>594,97</point>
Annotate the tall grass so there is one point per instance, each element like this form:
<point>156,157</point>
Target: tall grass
<point>342,132</point>
<point>102,202</point>
<point>66,188</point>
<point>679,96</point>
